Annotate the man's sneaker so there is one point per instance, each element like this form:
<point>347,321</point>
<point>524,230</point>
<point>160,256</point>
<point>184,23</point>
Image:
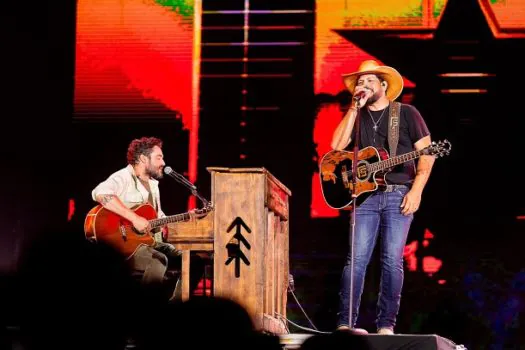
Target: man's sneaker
<point>385,331</point>
<point>357,331</point>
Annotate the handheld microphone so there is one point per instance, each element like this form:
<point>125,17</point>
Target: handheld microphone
<point>360,94</point>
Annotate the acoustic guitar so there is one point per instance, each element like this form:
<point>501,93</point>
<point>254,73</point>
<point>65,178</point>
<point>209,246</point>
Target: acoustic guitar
<point>335,171</point>
<point>103,225</point>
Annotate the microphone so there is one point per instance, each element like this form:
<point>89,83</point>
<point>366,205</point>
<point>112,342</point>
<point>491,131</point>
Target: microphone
<point>361,94</point>
<point>181,179</point>
<point>169,171</point>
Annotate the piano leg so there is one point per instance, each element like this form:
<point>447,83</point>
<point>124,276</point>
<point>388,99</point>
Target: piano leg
<point>186,274</point>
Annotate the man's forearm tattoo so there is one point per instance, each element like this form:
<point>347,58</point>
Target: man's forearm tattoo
<point>106,198</point>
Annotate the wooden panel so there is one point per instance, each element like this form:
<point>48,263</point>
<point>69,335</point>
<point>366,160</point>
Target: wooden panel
<point>204,247</point>
<point>185,274</point>
<point>285,263</point>
<point>276,199</point>
<point>193,230</point>
<point>270,265</point>
<point>239,196</point>
<point>278,267</point>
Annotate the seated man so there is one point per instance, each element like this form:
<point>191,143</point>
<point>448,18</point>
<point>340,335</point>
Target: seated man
<point>135,185</point>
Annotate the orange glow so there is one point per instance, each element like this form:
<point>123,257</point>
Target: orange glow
<point>335,56</point>
<point>506,19</point>
<point>411,261</point>
<point>129,52</point>
<point>409,254</point>
<point>138,57</point>
<point>71,209</point>
<point>466,75</point>
<point>431,265</point>
<point>463,91</point>
<point>327,119</point>
<point>193,150</point>
<point>204,284</point>
<point>410,248</point>
<point>387,14</point>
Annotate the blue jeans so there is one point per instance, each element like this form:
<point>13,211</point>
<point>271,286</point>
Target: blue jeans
<point>379,215</point>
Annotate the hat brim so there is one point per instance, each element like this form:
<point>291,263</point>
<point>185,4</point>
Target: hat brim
<point>391,75</point>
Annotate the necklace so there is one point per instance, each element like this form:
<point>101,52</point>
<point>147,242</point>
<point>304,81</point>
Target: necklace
<point>376,124</point>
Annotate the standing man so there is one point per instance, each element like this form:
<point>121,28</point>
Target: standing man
<point>388,213</point>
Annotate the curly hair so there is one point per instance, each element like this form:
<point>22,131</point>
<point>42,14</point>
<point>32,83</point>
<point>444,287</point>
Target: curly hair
<point>143,146</point>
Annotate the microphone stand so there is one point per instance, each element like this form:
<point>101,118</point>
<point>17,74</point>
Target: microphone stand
<point>357,123</point>
<point>186,183</point>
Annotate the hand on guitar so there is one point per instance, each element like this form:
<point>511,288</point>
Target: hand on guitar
<point>141,224</point>
<point>410,202</point>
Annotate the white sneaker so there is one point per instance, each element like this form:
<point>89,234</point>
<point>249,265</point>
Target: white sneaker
<point>385,331</point>
<point>357,331</point>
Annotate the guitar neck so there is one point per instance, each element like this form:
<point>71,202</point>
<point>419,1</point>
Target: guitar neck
<point>155,223</point>
<point>392,162</point>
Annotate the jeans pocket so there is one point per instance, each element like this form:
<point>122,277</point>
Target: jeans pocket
<point>402,190</point>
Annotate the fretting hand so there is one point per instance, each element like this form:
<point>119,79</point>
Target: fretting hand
<point>141,224</point>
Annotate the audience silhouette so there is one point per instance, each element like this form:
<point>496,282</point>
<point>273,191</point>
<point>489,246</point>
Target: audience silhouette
<point>70,293</point>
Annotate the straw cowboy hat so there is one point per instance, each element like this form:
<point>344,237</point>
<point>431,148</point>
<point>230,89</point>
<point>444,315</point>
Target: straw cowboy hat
<point>391,76</point>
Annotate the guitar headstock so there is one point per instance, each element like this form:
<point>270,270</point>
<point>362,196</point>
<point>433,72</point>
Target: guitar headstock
<point>439,149</point>
<point>199,213</point>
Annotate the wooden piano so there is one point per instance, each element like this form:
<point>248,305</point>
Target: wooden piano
<point>247,237</point>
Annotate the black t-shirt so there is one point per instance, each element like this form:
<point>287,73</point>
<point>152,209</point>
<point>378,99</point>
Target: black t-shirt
<point>412,128</point>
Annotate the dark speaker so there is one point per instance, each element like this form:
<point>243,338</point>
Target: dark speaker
<point>369,342</point>
<point>411,342</point>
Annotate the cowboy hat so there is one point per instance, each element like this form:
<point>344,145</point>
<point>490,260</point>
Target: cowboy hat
<point>391,76</point>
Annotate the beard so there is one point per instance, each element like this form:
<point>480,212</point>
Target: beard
<point>372,99</point>
<point>155,173</point>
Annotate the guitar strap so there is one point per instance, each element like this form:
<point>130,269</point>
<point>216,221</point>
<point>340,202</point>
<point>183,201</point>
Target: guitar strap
<point>393,128</point>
